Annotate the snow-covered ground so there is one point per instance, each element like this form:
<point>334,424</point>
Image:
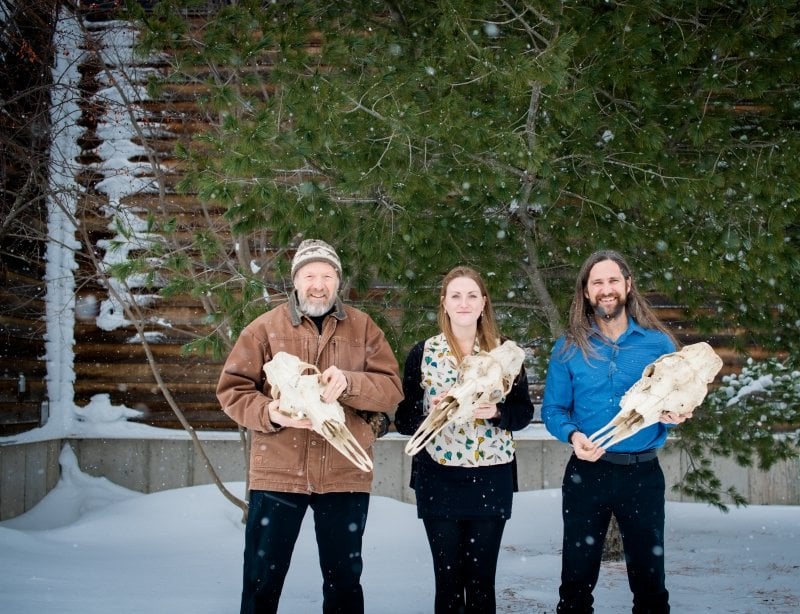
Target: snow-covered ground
<point>93,547</point>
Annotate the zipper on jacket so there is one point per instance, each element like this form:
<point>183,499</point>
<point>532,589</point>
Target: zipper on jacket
<point>320,338</point>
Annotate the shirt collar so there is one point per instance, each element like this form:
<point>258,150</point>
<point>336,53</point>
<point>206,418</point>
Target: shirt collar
<point>633,328</point>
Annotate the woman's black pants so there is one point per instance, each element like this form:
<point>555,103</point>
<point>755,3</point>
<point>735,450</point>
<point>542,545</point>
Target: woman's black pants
<point>465,555</point>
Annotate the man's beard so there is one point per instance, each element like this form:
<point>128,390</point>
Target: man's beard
<point>315,309</point>
<point>602,312</point>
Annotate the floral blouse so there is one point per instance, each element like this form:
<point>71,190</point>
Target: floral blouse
<point>473,444</point>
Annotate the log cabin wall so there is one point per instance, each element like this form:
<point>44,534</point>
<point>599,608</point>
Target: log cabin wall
<point>25,81</point>
<point>113,361</point>
<point>22,368</point>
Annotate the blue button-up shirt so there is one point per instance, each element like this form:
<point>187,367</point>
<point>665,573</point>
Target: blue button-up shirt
<point>583,394</point>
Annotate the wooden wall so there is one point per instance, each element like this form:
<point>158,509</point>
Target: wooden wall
<point>114,362</point>
<point>25,63</point>
<point>22,368</point>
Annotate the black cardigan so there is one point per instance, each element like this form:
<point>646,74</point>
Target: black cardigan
<point>461,491</point>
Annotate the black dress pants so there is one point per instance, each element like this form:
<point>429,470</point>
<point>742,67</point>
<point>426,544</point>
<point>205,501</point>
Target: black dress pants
<point>273,524</point>
<point>635,495</point>
<point>465,553</point>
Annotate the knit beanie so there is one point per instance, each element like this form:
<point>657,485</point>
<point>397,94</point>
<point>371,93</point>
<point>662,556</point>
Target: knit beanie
<point>314,250</point>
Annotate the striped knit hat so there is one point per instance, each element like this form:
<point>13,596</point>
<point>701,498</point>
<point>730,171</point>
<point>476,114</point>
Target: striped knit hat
<point>314,250</point>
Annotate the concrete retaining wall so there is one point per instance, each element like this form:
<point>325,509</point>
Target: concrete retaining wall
<point>28,471</point>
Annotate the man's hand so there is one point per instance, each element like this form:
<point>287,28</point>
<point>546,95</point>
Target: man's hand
<point>585,449</point>
<point>282,420</point>
<point>671,417</point>
<point>335,382</point>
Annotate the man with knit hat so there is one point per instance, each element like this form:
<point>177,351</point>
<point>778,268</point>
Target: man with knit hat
<point>292,467</point>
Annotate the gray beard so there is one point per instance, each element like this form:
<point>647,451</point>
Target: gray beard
<point>315,310</point>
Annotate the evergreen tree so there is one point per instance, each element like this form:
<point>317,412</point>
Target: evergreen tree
<point>515,137</point>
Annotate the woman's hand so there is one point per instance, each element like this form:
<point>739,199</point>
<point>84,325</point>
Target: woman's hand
<point>438,399</point>
<point>486,411</point>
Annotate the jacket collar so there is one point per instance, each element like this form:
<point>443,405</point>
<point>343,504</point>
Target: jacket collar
<point>296,315</point>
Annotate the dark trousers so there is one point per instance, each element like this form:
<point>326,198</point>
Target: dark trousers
<point>273,524</point>
<point>465,555</point>
<point>635,495</point>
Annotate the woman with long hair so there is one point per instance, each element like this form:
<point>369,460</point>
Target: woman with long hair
<point>465,477</point>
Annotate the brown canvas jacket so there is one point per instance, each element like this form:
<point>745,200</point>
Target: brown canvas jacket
<point>300,460</point>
